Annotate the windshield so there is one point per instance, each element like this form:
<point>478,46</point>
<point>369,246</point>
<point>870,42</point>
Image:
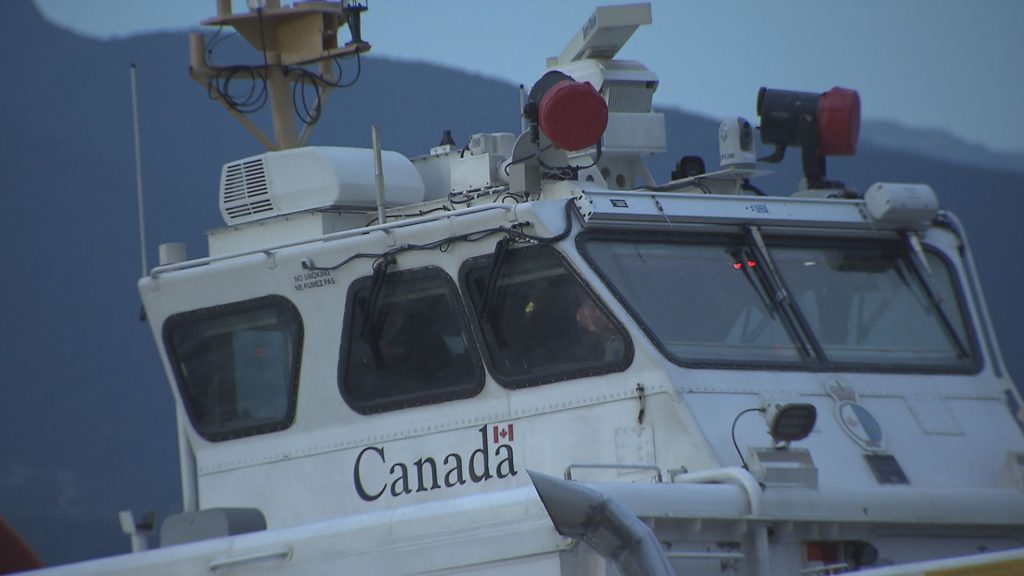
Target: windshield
<point>713,300</point>
<point>702,301</point>
<point>872,305</point>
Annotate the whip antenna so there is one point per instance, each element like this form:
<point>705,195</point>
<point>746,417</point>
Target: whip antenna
<point>138,173</point>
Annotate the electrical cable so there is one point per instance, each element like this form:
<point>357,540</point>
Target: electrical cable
<point>734,443</point>
<point>518,161</point>
<point>219,86</point>
<point>341,73</point>
<point>513,233</point>
<point>509,195</point>
<point>308,113</point>
<point>416,215</point>
<point>569,171</point>
<point>465,199</point>
<point>253,98</point>
<point>263,37</point>
<point>746,185</point>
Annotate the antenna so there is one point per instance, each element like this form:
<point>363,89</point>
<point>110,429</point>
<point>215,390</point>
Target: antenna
<point>378,174</point>
<point>138,173</point>
<point>523,124</point>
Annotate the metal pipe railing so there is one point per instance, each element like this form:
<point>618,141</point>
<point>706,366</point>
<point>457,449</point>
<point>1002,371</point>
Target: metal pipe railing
<point>327,238</point>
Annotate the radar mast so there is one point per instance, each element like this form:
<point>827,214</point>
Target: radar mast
<point>290,38</point>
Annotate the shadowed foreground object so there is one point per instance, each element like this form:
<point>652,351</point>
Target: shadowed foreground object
<point>15,553</point>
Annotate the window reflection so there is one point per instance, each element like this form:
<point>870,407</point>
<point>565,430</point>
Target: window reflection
<point>708,301</point>
<point>869,305</point>
<point>703,302</point>
<point>237,366</point>
<point>413,348</point>
<point>541,323</point>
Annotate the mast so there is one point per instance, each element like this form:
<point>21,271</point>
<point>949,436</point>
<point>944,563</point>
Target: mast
<point>138,172</point>
<point>289,38</point>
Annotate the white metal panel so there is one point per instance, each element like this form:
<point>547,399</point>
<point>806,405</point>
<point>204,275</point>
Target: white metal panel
<point>505,532</point>
<point>637,133</point>
<point>605,32</point>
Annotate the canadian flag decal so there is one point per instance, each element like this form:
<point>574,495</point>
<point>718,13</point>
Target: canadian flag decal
<point>502,433</point>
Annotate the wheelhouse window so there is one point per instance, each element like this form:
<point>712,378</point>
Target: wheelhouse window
<point>237,366</point>
<point>539,322</point>
<point>704,302</point>
<point>829,304</point>
<point>877,305</point>
<point>406,343</point>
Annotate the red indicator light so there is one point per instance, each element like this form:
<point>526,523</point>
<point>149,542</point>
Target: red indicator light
<point>737,265</point>
<point>751,264</point>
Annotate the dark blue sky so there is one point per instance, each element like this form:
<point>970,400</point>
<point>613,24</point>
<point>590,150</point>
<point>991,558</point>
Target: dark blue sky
<point>956,65</point>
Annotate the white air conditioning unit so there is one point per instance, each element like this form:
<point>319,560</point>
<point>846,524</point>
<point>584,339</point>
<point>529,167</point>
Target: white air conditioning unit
<point>313,178</point>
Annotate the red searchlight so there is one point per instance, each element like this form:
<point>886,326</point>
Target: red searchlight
<point>572,114</point>
<point>838,122</point>
<point>826,124</point>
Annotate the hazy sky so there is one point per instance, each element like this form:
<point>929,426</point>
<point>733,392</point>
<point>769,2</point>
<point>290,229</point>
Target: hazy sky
<point>951,64</point>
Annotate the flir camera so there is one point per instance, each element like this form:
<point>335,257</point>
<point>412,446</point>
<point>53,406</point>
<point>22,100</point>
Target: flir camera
<point>736,144</point>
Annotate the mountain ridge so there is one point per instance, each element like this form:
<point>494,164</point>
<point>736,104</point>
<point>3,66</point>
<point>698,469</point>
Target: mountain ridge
<point>939,144</point>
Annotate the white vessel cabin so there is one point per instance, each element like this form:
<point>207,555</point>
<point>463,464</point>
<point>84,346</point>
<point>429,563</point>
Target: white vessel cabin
<point>525,355</point>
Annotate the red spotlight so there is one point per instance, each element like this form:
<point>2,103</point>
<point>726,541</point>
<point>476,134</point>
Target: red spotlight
<point>573,115</point>
<point>838,122</point>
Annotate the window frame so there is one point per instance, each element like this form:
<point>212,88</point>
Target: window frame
<point>426,397</point>
<point>226,310</point>
<point>972,365</point>
<point>528,381</point>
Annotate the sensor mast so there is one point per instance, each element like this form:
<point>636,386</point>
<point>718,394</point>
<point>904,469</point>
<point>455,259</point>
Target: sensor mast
<point>288,38</point>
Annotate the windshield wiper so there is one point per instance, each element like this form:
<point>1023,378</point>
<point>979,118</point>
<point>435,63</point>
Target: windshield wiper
<point>793,318</point>
<point>756,284</point>
<point>373,322</point>
<point>491,295</point>
<point>488,299</point>
<point>919,264</point>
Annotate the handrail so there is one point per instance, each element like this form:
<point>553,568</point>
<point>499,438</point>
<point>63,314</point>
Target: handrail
<point>705,556</point>
<point>971,272</point>
<point>732,475</point>
<point>742,478</point>
<point>283,553</point>
<point>839,568</point>
<point>595,466</point>
<point>327,238</point>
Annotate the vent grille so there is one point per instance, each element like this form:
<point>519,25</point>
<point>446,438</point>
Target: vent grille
<point>630,98</point>
<point>244,189</point>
